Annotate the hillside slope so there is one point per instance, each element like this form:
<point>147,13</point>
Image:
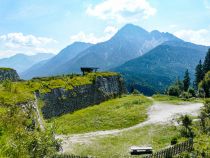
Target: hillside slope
<point>157,69</point>
<point>50,67</point>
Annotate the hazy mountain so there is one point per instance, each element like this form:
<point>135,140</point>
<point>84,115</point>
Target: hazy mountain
<point>50,67</point>
<point>22,62</point>
<point>29,72</point>
<point>128,43</point>
<point>157,69</point>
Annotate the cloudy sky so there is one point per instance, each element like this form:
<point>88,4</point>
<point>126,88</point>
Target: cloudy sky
<point>34,26</point>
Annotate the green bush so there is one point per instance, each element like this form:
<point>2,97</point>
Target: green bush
<point>185,95</point>
<point>135,91</point>
<point>191,92</point>
<point>174,141</point>
<point>18,140</point>
<point>174,91</point>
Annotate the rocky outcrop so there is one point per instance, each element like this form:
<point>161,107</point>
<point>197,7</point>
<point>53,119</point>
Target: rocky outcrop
<point>8,74</point>
<point>32,110</point>
<point>60,101</point>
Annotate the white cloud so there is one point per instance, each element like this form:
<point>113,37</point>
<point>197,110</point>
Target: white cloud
<point>201,36</point>
<point>20,40</point>
<point>122,10</point>
<point>109,31</point>
<point>13,43</point>
<point>89,38</point>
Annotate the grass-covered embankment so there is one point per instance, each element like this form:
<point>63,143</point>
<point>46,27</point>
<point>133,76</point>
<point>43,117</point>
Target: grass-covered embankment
<point>157,136</point>
<point>175,100</point>
<point>12,93</point>
<point>113,114</point>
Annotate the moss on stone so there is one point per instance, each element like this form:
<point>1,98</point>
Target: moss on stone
<point>6,69</point>
<point>22,91</point>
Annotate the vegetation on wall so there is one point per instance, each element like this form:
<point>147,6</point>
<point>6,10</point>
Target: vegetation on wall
<point>21,92</point>
<point>20,137</point>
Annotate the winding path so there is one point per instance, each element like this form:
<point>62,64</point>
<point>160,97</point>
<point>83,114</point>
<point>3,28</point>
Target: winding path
<point>159,112</point>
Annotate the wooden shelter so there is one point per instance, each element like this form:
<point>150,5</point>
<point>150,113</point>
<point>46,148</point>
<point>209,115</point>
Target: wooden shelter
<point>88,69</point>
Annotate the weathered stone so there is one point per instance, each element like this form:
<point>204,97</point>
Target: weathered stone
<point>8,74</point>
<point>60,101</point>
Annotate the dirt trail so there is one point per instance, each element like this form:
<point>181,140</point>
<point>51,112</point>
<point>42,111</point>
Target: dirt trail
<point>158,113</point>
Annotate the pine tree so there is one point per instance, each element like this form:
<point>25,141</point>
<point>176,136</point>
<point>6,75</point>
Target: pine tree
<point>199,74</point>
<point>206,64</point>
<point>186,81</point>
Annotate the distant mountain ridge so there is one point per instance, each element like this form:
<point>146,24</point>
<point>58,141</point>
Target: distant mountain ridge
<point>22,62</point>
<point>150,61</point>
<point>157,69</point>
<point>129,42</point>
<point>51,67</point>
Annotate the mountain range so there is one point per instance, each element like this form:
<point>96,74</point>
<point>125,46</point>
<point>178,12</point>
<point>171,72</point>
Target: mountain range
<point>157,69</point>
<point>52,66</point>
<point>128,43</point>
<point>22,62</point>
<point>150,61</point>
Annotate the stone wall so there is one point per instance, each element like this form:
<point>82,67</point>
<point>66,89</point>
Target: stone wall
<point>8,74</point>
<point>60,101</point>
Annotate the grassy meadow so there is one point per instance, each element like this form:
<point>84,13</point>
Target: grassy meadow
<point>114,146</point>
<point>113,114</point>
<point>175,100</point>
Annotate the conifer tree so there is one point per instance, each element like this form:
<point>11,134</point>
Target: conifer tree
<point>186,81</point>
<point>199,74</point>
<point>206,64</point>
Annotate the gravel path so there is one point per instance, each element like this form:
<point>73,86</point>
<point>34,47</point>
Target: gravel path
<point>159,113</point>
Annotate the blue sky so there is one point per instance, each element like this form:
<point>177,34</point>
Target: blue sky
<point>34,26</point>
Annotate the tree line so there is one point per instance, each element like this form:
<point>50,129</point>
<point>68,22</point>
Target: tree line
<point>201,85</point>
<point>202,76</point>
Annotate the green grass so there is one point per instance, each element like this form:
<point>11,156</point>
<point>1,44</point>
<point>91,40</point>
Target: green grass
<point>157,136</point>
<point>174,100</point>
<point>113,114</point>
<point>12,93</point>
<point>3,110</point>
<point>17,93</point>
<point>6,68</point>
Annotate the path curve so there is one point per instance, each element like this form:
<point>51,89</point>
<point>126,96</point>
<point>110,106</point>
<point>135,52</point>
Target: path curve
<point>159,113</point>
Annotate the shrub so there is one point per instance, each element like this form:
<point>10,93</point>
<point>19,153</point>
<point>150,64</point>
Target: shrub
<point>185,95</point>
<point>186,130</point>
<point>135,91</point>
<point>191,92</point>
<point>174,141</point>
<point>174,91</point>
